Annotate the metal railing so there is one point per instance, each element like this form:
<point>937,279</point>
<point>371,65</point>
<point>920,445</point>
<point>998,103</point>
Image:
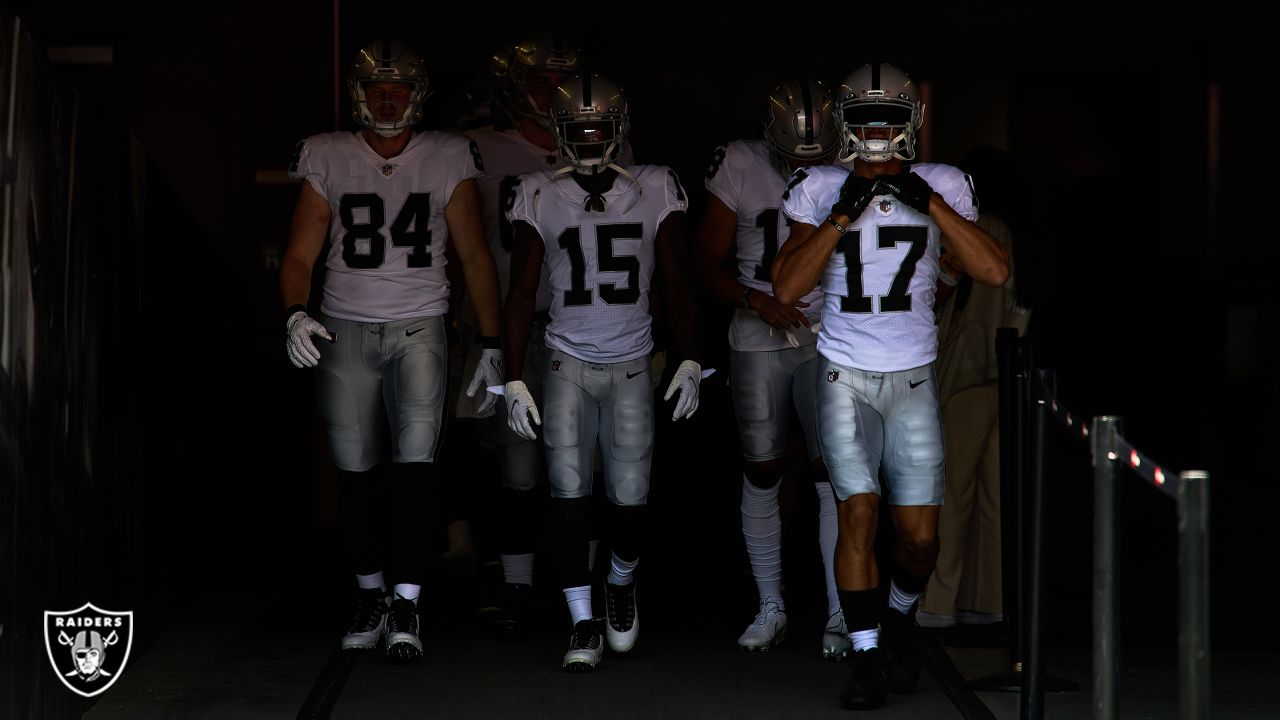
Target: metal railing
<point>1030,395</point>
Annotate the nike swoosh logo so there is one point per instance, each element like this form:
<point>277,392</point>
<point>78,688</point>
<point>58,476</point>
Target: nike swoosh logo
<point>631,375</point>
<point>407,333</point>
<point>918,383</point>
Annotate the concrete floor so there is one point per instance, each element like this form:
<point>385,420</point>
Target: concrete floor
<point>280,663</point>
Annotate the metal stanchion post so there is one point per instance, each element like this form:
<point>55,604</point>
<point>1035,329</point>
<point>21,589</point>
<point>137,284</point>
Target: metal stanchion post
<point>1193,587</point>
<point>1012,362</point>
<point>1023,498</point>
<point>1012,372</point>
<point>1032,705</point>
<point>1035,682</point>
<point>1106,570</point>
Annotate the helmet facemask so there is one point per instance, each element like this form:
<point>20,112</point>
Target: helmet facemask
<point>591,143</point>
<point>371,117</point>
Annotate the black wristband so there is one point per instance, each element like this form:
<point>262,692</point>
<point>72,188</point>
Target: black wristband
<point>293,309</point>
<point>489,342</point>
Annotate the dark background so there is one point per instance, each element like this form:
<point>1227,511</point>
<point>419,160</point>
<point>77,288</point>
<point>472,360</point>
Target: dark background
<point>161,450</point>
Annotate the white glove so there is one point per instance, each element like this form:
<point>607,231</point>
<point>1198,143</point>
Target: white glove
<point>297,340</point>
<point>520,406</point>
<point>687,379</point>
<point>488,372</point>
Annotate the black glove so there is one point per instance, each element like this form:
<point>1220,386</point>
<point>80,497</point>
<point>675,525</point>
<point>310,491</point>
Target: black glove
<point>855,195</point>
<point>908,187</point>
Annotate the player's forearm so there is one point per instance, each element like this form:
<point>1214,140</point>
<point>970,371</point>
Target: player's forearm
<point>482,283</point>
<point>723,284</point>
<point>295,282</point>
<point>712,246</point>
<point>798,267</point>
<point>982,257</point>
<point>681,314</point>
<point>519,325</point>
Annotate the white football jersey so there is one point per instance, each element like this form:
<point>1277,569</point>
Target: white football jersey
<point>508,155</point>
<point>387,233</point>
<point>744,178</point>
<point>877,312</point>
<point>600,264</point>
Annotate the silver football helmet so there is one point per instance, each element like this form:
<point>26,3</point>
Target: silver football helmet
<point>878,96</point>
<point>801,127</point>
<point>590,121</point>
<point>387,60</point>
<point>510,69</point>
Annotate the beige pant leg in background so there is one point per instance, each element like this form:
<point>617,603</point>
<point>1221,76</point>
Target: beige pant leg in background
<point>969,427</point>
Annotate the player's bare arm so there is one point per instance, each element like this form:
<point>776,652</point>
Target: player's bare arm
<point>672,261</point>
<point>712,244</point>
<point>466,233</point>
<point>526,268</point>
<point>798,267</point>
<point>306,240</point>
<point>979,254</point>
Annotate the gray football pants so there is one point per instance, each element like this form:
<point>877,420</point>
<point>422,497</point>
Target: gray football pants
<point>607,403</point>
<point>396,367</point>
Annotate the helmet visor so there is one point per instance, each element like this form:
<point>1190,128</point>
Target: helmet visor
<point>876,113</point>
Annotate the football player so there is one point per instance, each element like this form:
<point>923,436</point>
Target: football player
<point>772,346</point>
<point>387,198</point>
<point>523,75</point>
<point>872,233</point>
<point>600,229</point>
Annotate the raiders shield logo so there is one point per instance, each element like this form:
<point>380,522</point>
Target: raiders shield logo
<point>88,647</point>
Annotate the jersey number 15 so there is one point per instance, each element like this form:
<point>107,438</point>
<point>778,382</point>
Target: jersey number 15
<point>579,294</point>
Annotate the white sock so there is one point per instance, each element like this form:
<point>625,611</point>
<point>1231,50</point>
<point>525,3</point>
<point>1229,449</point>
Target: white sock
<point>579,599</point>
<point>372,582</point>
<point>901,600</point>
<point>865,639</point>
<point>622,571</point>
<point>828,531</point>
<point>592,545</point>
<point>408,592</point>
<point>517,569</point>
<point>762,531</point>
